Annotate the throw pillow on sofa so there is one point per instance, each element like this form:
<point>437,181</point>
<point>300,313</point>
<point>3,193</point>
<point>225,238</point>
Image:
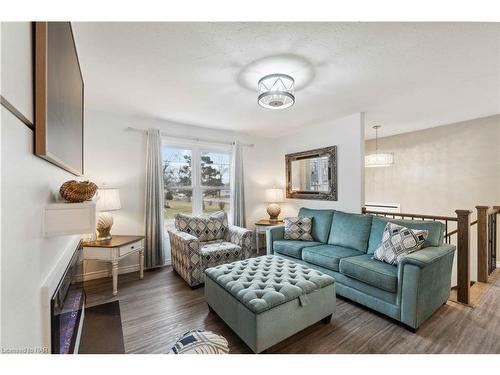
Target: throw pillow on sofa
<point>397,242</point>
<point>298,228</point>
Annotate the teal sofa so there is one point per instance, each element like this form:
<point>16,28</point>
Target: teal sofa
<point>343,246</point>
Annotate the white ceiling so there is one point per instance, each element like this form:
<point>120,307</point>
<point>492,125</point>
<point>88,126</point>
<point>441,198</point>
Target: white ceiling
<point>404,76</point>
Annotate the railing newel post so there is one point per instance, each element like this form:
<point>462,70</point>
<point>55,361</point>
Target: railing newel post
<point>463,256</point>
<point>482,243</point>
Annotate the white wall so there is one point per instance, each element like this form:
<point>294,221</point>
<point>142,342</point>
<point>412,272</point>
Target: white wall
<point>348,135</point>
<point>116,156</point>
<point>28,260</point>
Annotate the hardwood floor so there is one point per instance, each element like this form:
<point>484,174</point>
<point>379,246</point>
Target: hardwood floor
<point>159,308</point>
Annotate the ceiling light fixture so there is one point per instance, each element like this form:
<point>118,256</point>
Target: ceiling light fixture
<point>276,91</point>
<point>376,159</point>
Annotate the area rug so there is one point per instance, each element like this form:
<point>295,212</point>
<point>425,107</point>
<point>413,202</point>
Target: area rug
<point>102,330</point>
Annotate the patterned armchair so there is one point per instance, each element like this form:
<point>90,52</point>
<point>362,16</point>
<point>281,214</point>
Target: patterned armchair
<point>201,242</point>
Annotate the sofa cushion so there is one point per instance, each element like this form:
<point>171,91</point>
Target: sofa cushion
<point>398,242</point>
<point>205,228</point>
<point>435,236</point>
<point>350,230</point>
<point>298,228</point>
<point>292,248</point>
<point>322,221</point>
<point>220,252</point>
<point>370,271</point>
<point>328,256</point>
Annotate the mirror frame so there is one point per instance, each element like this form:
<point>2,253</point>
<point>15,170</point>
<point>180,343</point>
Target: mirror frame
<point>331,194</point>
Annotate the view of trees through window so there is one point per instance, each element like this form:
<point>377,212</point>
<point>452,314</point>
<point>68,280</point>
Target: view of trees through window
<point>195,186</point>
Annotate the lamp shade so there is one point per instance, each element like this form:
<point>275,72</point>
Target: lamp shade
<point>379,160</point>
<point>274,195</point>
<point>108,199</point>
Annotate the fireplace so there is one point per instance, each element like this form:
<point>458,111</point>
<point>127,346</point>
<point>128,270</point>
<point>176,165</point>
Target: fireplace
<point>67,308</point>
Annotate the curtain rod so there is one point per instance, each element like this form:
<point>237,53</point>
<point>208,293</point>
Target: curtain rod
<point>196,139</point>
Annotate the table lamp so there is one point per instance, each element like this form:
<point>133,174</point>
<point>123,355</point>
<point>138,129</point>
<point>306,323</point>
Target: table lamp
<point>108,199</point>
<point>274,196</point>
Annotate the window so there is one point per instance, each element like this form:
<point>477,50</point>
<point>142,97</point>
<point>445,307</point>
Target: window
<point>215,178</point>
<point>196,180</point>
<point>177,180</point>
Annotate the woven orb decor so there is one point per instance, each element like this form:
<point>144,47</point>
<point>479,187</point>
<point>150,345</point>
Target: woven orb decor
<point>76,192</point>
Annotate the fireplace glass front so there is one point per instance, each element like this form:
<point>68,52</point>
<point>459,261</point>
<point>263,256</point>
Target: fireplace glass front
<point>67,305</point>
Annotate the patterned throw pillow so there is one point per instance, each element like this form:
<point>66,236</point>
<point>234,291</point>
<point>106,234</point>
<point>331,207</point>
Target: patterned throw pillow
<point>397,242</point>
<point>298,228</point>
<point>200,342</point>
<point>205,228</point>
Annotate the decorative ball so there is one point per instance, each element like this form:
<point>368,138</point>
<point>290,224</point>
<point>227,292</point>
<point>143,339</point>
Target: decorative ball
<point>200,342</point>
<point>75,191</point>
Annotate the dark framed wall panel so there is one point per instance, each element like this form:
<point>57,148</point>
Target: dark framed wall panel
<point>59,97</point>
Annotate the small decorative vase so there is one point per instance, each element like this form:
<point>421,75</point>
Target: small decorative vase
<point>76,192</point>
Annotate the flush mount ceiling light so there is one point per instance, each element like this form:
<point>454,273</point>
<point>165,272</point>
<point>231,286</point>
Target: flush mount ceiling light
<point>276,91</point>
<point>376,159</point>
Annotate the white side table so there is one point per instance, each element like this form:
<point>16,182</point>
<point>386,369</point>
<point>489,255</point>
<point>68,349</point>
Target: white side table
<point>260,228</point>
<point>113,250</point>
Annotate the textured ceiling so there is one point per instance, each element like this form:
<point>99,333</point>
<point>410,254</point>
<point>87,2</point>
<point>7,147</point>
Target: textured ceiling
<point>404,76</point>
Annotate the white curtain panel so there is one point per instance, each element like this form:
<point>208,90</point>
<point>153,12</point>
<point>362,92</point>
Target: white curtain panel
<point>154,254</point>
<point>237,187</point>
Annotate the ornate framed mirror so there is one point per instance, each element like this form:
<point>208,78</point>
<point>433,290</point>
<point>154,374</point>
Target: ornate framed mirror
<point>312,174</point>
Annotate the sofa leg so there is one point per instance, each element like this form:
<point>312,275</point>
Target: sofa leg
<point>196,286</point>
<point>327,319</point>
<point>210,308</point>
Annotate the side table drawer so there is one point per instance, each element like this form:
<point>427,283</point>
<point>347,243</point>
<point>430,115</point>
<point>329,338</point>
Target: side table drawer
<point>97,253</point>
<point>124,250</point>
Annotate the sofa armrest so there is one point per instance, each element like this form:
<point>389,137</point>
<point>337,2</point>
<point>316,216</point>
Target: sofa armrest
<point>424,279</point>
<point>273,234</point>
<point>242,237</point>
<point>427,256</point>
<point>186,257</point>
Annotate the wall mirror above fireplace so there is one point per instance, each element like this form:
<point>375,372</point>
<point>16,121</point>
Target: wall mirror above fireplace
<point>312,174</point>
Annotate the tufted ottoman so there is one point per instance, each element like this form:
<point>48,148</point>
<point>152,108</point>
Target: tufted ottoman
<point>267,299</point>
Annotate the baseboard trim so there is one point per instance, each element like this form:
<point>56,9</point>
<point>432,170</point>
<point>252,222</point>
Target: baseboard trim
<point>107,273</point>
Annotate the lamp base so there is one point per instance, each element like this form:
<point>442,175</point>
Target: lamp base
<point>273,210</point>
<point>104,224</point>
